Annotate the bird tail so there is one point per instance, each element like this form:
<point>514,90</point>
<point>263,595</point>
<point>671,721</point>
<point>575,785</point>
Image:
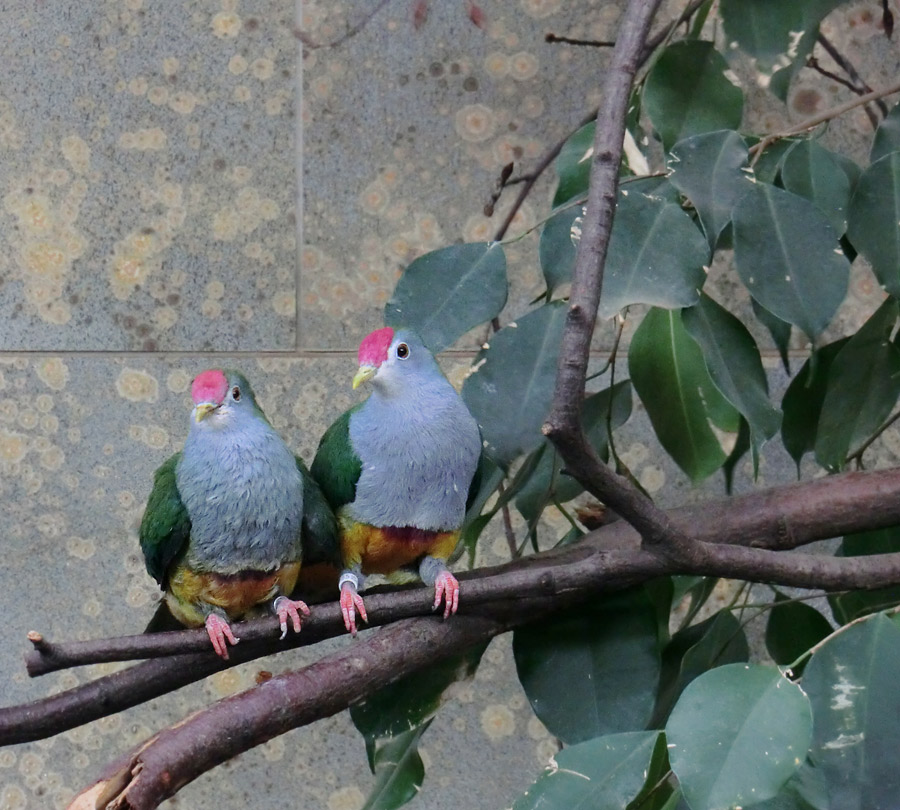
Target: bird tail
<point>163,620</point>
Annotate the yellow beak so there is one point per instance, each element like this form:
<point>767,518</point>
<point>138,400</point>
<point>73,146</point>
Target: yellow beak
<point>204,409</point>
<point>363,374</point>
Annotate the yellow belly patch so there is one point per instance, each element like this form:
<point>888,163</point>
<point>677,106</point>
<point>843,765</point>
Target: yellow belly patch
<point>384,549</point>
<point>236,594</point>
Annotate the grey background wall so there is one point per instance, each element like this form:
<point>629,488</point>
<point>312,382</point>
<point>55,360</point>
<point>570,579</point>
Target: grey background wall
<point>180,188</point>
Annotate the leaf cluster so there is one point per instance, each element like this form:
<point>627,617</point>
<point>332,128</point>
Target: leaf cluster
<point>656,708</point>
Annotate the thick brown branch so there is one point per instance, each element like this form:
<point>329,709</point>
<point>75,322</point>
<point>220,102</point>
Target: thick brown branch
<point>160,767</point>
<point>778,519</point>
<point>563,426</point>
<point>605,560</point>
<point>178,755</point>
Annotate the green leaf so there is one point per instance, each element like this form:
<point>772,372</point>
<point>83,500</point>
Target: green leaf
<point>852,686</point>
<point>592,670</point>
<point>741,446</point>
<point>445,293</point>
<point>849,606</point>
<point>779,330</point>
<point>670,376</point>
<point>658,788</point>
<point>803,791</point>
<point>873,224</point>
<point>711,171</point>
<point>802,403</point>
<point>511,387</point>
<point>606,772</point>
<point>558,246</point>
<point>811,171</point>
<point>654,187</point>
<point>697,588</point>
<point>776,34</point>
<point>887,136</point>
<point>767,168</point>
<point>399,770</point>
<point>546,484</point>
<point>863,386</point>
<point>792,629</point>
<point>735,366</point>
<point>737,734</point>
<point>688,92</point>
<point>406,704</point>
<point>788,256</point>
<point>715,642</point>
<point>573,166</point>
<point>851,169</point>
<point>656,256</point>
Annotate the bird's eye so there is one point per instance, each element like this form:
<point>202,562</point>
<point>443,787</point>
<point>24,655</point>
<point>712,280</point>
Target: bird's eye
<point>236,393</point>
<point>402,351</point>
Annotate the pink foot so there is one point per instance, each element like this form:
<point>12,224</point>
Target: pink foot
<point>446,588</point>
<point>219,630</point>
<point>351,602</point>
<point>285,607</point>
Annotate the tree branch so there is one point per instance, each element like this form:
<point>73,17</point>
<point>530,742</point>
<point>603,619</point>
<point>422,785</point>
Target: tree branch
<point>606,560</point>
<point>171,759</point>
<point>862,86</point>
<point>545,160</point>
<point>820,118</point>
<point>157,769</point>
<point>563,426</point>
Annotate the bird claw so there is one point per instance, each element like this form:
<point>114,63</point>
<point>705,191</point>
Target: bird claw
<point>219,630</point>
<point>446,588</point>
<point>351,602</point>
<point>285,608</point>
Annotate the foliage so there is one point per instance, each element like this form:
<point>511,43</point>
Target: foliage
<point>656,707</point>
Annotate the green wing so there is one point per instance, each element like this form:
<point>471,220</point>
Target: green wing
<point>165,527</point>
<point>321,543</point>
<point>336,467</point>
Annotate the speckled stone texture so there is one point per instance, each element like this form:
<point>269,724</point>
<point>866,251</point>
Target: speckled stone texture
<point>148,176</point>
<point>149,179</point>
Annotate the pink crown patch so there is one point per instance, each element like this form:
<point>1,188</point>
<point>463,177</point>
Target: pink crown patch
<point>373,351</point>
<point>209,386</point>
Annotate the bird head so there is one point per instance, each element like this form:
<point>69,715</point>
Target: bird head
<point>392,359</point>
<point>221,396</point>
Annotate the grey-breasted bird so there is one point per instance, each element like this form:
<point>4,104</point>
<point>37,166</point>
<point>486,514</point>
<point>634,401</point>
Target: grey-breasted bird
<point>397,469</point>
<point>227,519</point>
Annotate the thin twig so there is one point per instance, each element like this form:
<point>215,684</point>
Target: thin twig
<point>858,453</point>
<point>657,39</point>
<point>820,118</point>
<point>813,64</point>
<point>507,524</point>
<point>847,66</point>
<point>844,627</point>
<point>543,163</point>
<point>610,361</point>
<point>546,159</point>
<point>591,43</point>
<point>351,32</point>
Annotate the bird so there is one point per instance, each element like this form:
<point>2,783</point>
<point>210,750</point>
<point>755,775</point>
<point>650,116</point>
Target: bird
<point>398,469</point>
<point>228,517</point>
